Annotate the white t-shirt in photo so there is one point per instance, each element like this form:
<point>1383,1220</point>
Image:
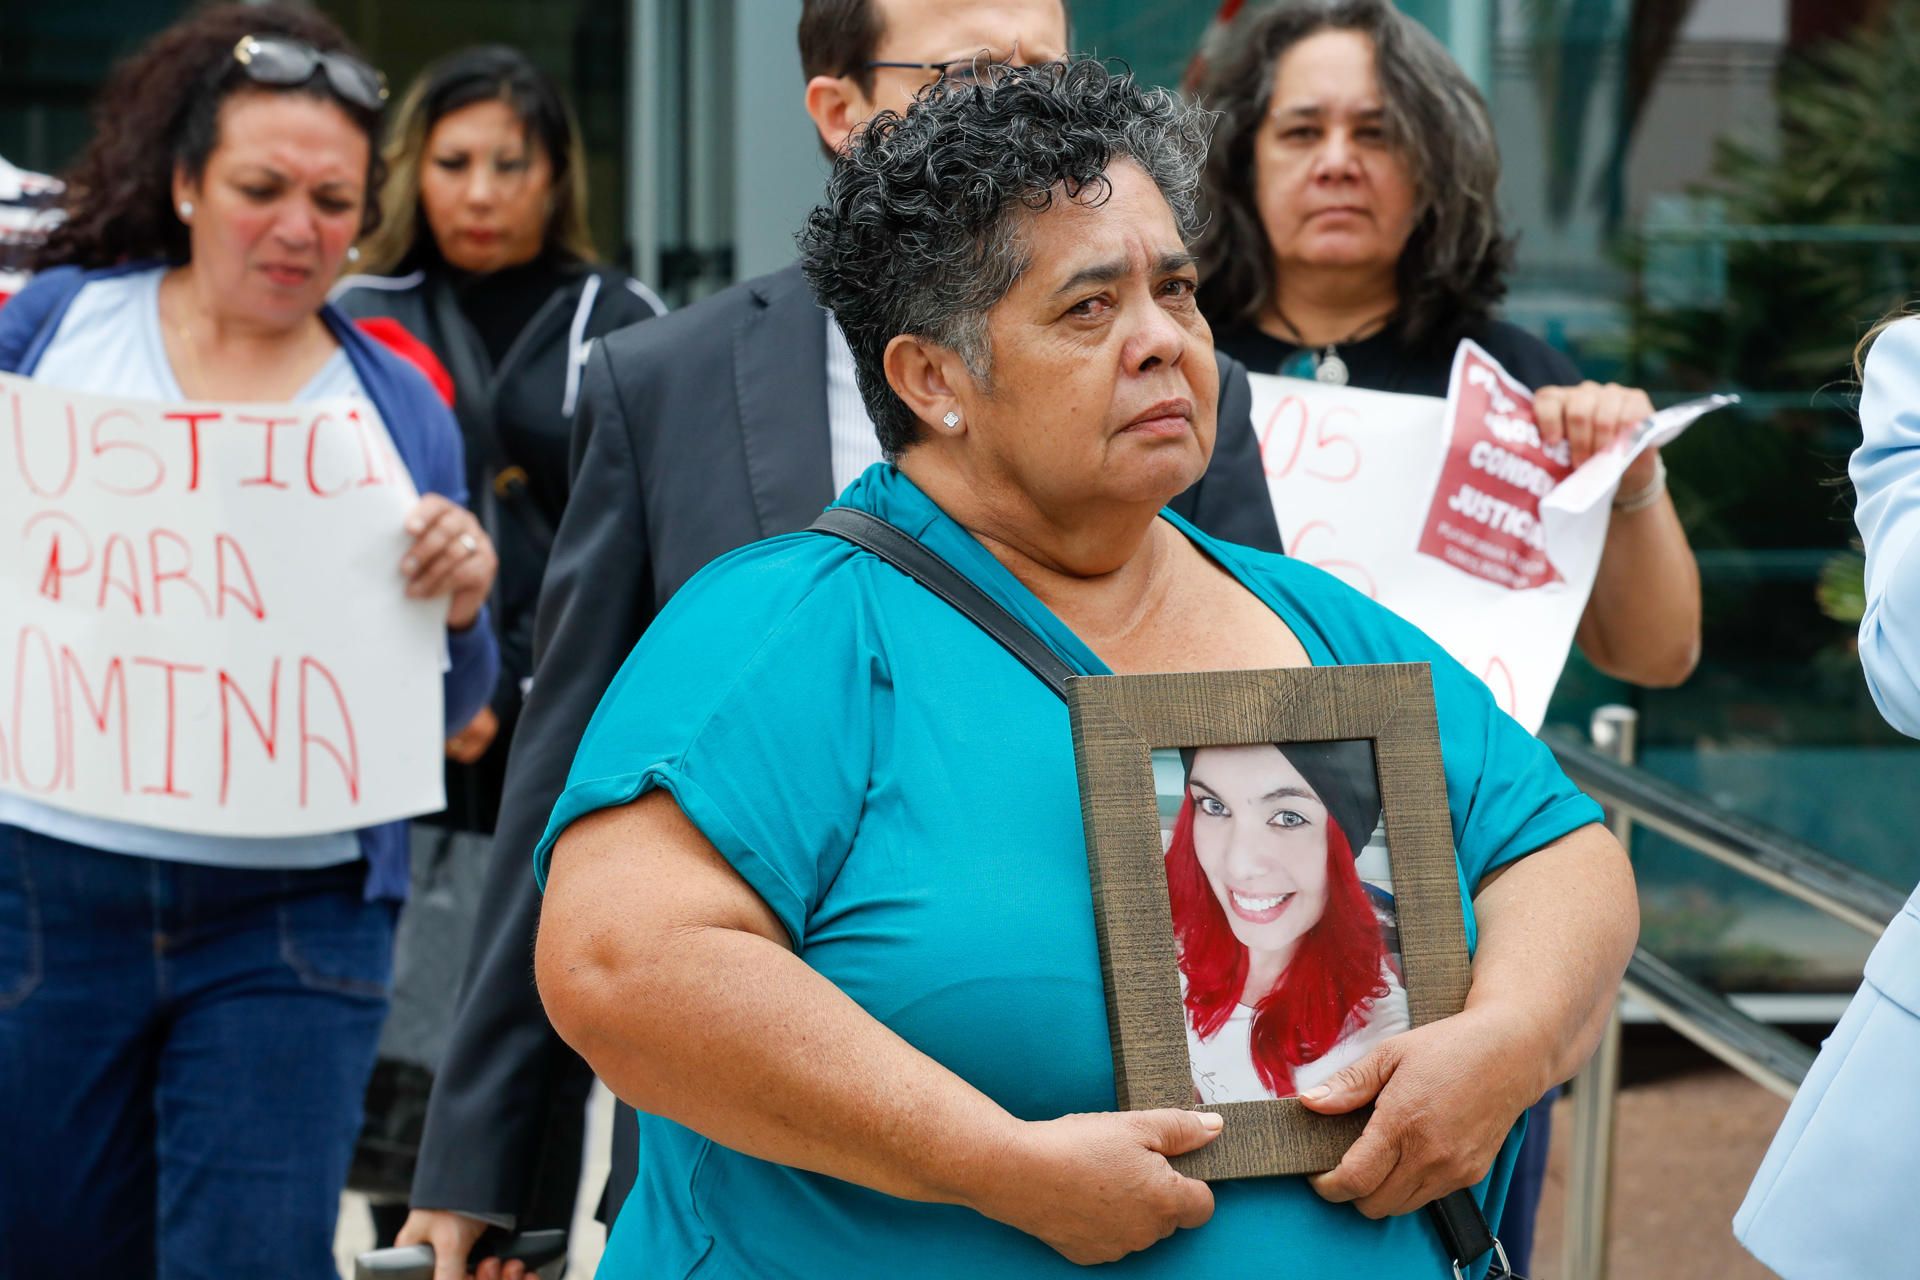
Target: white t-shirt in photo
<point>1223,1068</point>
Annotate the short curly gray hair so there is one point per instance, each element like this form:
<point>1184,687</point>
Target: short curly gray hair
<point>920,229</point>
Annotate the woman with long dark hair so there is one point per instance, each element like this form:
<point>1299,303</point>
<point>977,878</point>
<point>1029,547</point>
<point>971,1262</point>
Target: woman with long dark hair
<point>483,253</point>
<point>187,1022</point>
<point>1354,236</point>
<point>1284,970</point>
<point>484,256</point>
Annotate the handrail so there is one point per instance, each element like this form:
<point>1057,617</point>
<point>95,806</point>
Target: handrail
<point>1771,857</point>
<point>1768,1057</point>
<point>1870,234</point>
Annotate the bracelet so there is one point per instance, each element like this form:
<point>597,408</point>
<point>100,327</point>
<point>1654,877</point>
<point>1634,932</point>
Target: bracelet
<point>1650,493</point>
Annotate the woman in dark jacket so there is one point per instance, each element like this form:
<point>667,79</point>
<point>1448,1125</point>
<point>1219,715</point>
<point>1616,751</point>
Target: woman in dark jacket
<point>484,255</point>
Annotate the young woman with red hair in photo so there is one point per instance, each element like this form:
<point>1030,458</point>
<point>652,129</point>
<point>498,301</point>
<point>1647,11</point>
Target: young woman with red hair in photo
<point>1284,970</point>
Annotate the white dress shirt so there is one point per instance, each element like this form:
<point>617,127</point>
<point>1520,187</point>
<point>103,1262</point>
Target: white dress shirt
<point>854,446</point>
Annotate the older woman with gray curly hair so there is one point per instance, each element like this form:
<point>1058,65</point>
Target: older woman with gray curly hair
<point>1355,237</point>
<point>816,892</point>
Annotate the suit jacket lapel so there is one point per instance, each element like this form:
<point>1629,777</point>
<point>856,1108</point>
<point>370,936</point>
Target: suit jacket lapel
<point>780,384</point>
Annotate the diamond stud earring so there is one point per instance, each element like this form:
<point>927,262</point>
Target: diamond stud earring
<point>952,419</point>
<point>186,210</point>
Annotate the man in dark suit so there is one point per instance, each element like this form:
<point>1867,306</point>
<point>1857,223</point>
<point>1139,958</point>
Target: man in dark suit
<point>734,420</point>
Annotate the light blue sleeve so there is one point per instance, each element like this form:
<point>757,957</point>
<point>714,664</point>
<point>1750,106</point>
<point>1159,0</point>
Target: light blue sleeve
<point>1886,473</point>
<point>749,701</point>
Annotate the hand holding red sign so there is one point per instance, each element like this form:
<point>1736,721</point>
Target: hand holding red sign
<point>1591,418</point>
<point>1485,518</point>
<point>1382,489</point>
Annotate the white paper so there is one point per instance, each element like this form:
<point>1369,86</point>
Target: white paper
<point>203,625</point>
<point>1450,513</point>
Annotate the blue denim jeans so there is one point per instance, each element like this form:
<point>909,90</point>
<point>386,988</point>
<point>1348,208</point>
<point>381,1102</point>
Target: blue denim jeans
<point>183,1054</point>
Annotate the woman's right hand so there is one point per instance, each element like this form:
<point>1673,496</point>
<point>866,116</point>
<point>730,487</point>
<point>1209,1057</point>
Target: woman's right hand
<point>1098,1187</point>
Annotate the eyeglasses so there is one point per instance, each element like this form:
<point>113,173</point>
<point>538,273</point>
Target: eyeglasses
<point>953,71</point>
<point>284,62</point>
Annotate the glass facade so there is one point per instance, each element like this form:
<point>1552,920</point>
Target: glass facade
<point>1710,194</point>
<point>1715,194</point>
<point>53,58</point>
<point>581,43</point>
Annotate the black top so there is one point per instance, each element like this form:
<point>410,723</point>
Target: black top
<point>509,340</point>
<point>1384,363</point>
<point>499,304</point>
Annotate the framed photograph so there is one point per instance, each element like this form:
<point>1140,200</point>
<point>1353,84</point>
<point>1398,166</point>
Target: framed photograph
<point>1274,889</point>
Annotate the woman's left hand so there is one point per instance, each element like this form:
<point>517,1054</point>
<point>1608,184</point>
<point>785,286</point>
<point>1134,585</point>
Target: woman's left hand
<point>1590,417</point>
<point>1445,1097</point>
<point>472,742</point>
<point>451,555</point>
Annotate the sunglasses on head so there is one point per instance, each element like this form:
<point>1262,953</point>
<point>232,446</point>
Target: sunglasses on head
<point>284,62</point>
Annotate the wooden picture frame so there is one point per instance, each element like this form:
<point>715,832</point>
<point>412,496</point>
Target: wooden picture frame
<point>1118,722</point>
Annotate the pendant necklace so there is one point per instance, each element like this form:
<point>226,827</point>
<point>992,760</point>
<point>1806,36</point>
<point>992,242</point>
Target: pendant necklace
<point>1328,367</point>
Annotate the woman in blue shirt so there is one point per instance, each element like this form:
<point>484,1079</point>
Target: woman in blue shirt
<point>816,894</point>
<point>187,1022</point>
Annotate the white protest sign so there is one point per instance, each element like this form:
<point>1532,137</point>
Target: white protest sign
<point>202,618</point>
<point>1450,512</point>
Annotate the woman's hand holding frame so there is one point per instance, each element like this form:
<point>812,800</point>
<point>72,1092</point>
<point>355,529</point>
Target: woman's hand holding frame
<point>1118,721</point>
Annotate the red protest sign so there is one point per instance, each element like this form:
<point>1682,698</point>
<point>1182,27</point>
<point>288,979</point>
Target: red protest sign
<point>1485,517</point>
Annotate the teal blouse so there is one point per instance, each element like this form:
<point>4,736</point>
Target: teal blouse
<point>902,794</point>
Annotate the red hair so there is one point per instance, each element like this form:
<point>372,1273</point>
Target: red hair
<point>1335,972</point>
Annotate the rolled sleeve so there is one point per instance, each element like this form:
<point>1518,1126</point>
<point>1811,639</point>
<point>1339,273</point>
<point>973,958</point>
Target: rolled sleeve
<point>754,713</point>
<point>1520,801</point>
<point>708,813</point>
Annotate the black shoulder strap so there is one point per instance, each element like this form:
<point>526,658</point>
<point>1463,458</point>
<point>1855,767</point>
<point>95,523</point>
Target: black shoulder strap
<point>1457,1217</point>
<point>905,553</point>
<point>1467,1238</point>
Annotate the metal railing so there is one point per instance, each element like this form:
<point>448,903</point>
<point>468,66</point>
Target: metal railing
<point>1763,1054</point>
